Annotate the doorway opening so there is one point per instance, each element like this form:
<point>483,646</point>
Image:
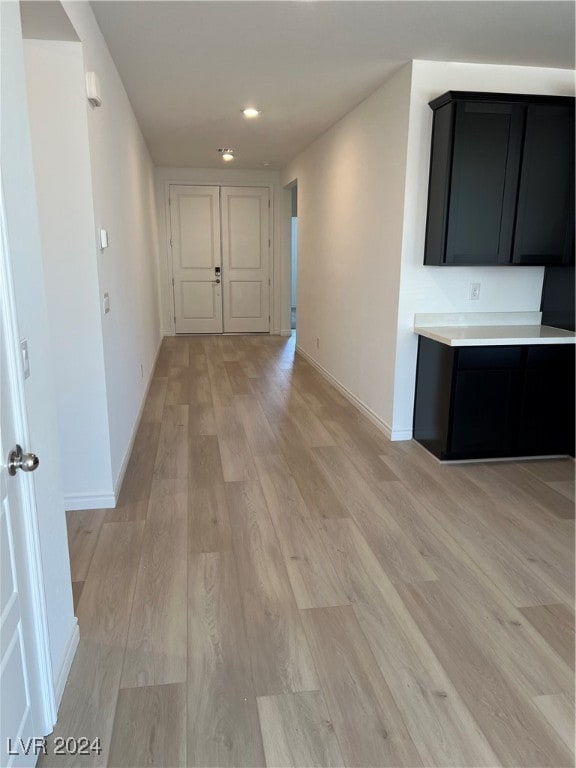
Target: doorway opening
<point>293,255</point>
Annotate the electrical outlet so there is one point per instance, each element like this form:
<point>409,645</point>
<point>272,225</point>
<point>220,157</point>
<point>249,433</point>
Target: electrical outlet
<point>106,303</point>
<point>474,294</point>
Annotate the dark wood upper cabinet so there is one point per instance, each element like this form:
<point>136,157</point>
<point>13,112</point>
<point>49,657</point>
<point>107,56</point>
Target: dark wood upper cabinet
<point>544,232</point>
<point>501,180</point>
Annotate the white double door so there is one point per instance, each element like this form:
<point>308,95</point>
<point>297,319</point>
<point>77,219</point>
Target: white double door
<point>220,259</point>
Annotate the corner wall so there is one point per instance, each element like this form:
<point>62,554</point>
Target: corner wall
<point>350,214</point>
<point>57,104</point>
<point>446,289</point>
<point>123,195</point>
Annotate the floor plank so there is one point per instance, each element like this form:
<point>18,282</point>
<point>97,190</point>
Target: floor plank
<point>172,453</point>
<point>150,727</point>
<point>398,557</point>
<point>556,625</point>
<point>235,453</point>
<point>558,709</point>
<point>436,717</point>
<point>369,727</point>
<point>156,647</point>
<point>320,498</point>
<point>83,531</point>
<point>297,731</point>
<point>135,492</point>
<point>508,720</point>
<point>281,660</point>
<point>223,728</point>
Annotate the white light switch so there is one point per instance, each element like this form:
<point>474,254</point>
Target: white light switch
<point>106,304</point>
<point>103,239</point>
<point>25,358</point>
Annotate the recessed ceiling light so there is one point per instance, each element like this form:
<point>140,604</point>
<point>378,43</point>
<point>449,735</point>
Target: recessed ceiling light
<point>251,112</point>
<point>227,154</point>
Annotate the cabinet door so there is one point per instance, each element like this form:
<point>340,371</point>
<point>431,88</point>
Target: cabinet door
<point>484,179</point>
<point>544,231</point>
<point>483,419</point>
<point>547,408</point>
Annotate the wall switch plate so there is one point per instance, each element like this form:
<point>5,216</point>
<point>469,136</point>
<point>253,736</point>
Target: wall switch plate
<point>25,358</point>
<point>474,294</point>
<point>106,303</point>
<point>103,239</point>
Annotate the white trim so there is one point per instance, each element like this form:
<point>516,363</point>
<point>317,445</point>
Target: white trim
<point>68,658</point>
<point>400,434</point>
<point>286,333</point>
<point>126,459</point>
<point>77,501</point>
<point>42,676</point>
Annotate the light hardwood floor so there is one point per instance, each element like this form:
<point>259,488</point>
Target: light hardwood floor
<point>280,585</point>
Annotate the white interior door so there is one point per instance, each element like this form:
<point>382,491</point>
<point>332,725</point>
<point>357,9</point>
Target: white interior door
<point>245,259</point>
<point>22,714</point>
<point>196,258</point>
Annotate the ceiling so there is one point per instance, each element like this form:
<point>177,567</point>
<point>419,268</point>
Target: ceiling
<point>189,67</point>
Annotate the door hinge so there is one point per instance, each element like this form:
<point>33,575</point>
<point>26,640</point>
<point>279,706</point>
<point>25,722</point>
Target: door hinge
<point>174,319</point>
<point>169,202</point>
<point>268,242</point>
<point>268,202</point>
<point>268,281</point>
<point>170,242</point>
<point>172,282</point>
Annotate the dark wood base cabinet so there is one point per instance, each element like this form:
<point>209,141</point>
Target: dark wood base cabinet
<point>494,402</point>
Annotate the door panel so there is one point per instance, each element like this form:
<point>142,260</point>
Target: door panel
<point>245,299</point>
<point>16,706</point>
<point>245,259</point>
<point>195,238</point>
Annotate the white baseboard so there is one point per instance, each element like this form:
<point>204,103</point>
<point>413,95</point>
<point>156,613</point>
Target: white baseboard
<point>128,452</point>
<point>68,658</point>
<point>400,434</point>
<point>74,502</point>
<point>286,333</point>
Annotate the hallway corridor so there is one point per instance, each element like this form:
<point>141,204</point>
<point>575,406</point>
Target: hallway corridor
<point>281,585</point>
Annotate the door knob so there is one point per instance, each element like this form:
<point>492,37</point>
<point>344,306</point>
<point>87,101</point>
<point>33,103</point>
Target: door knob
<point>27,462</point>
<point>217,281</point>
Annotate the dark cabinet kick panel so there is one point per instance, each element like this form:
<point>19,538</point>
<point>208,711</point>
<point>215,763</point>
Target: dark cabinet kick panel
<point>494,402</point>
<point>501,181</point>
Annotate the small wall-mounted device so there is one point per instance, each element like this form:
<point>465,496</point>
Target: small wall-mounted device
<point>93,89</point>
<point>103,239</point>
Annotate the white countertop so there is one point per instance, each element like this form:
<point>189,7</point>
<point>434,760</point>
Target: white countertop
<point>489,329</point>
<point>495,335</point>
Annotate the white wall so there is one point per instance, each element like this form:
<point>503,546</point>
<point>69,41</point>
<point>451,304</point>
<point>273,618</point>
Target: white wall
<point>350,213</point>
<point>446,289</point>
<point>225,177</point>
<point>123,195</point>
<point>25,255</point>
<point>58,119</point>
